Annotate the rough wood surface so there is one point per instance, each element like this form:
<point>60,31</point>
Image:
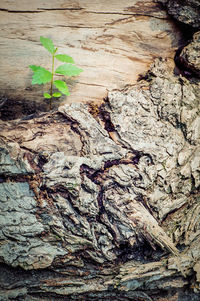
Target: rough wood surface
<point>102,203</point>
<point>185,11</point>
<point>112,41</point>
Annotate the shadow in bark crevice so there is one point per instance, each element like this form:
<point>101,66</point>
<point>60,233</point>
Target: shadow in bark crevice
<point>11,109</point>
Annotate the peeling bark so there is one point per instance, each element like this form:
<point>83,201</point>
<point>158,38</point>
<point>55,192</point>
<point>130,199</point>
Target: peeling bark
<point>103,202</point>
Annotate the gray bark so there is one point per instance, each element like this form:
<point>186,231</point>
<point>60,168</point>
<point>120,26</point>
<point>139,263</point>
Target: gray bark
<point>103,202</point>
<point>184,11</point>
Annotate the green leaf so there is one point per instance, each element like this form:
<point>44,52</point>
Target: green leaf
<point>57,94</point>
<point>41,76</point>
<point>34,67</point>
<point>47,95</point>
<point>48,44</point>
<point>68,69</point>
<point>61,86</point>
<point>65,58</point>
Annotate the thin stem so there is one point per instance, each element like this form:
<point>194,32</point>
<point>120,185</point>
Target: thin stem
<point>52,72</point>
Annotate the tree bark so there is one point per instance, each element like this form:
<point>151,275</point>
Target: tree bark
<point>103,202</point>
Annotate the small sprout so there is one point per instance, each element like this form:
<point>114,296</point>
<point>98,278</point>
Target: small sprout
<point>43,76</point>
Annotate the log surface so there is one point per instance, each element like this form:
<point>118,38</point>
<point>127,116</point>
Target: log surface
<point>103,202</point>
<point>112,41</point>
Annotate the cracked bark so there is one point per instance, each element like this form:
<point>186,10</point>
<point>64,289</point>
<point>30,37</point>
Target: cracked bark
<point>103,202</point>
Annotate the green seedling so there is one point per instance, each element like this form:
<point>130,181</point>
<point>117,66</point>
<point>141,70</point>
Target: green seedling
<point>43,76</point>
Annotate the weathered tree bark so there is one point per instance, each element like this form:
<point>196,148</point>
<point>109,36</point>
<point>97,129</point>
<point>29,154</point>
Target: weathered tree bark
<point>185,11</point>
<point>101,202</point>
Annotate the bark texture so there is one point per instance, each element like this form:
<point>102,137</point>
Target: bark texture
<point>103,202</point>
<point>190,55</point>
<point>184,11</point>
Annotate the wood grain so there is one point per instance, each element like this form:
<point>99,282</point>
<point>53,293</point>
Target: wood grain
<point>112,41</point>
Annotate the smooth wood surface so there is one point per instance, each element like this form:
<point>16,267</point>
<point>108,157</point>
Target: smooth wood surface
<point>112,41</point>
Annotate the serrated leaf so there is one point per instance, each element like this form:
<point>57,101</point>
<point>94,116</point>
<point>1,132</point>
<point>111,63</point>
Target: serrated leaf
<point>64,58</point>
<point>61,86</point>
<point>41,76</point>
<point>34,67</point>
<point>68,69</point>
<point>48,44</point>
<point>47,95</point>
<point>57,94</point>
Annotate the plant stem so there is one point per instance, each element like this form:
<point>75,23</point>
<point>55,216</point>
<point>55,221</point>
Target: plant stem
<point>51,91</point>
